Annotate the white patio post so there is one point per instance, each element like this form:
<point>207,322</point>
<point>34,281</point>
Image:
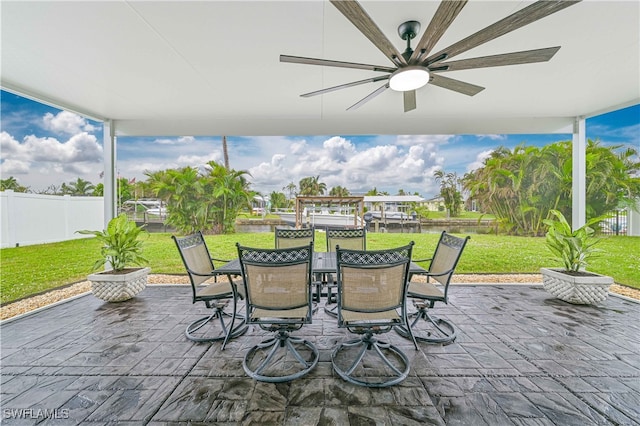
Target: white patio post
<point>579,178</point>
<point>110,188</point>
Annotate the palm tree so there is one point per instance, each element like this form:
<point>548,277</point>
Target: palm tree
<point>80,188</point>
<point>339,191</point>
<point>521,186</point>
<point>225,152</point>
<point>232,193</point>
<point>449,191</point>
<point>291,188</point>
<point>310,186</point>
<point>278,200</point>
<point>11,183</point>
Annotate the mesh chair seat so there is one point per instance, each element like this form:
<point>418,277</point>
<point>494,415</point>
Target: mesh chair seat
<point>219,325</point>
<point>354,319</point>
<point>424,326</point>
<point>424,291</point>
<point>279,300</point>
<point>371,300</point>
<point>280,315</point>
<point>215,290</point>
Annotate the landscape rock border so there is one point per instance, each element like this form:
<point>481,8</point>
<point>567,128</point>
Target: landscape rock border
<point>23,306</point>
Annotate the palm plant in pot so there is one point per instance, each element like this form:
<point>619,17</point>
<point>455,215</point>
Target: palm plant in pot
<point>574,249</point>
<point>121,248</point>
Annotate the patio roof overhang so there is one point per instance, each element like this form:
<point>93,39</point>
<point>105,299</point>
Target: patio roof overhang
<point>212,67</point>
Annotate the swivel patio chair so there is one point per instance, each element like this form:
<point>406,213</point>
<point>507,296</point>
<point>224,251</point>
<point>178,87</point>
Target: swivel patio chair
<point>215,295</point>
<point>346,238</point>
<point>287,237</point>
<point>372,289</point>
<point>278,299</point>
<point>426,294</point>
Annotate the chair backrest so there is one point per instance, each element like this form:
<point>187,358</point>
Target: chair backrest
<point>195,257</point>
<point>346,238</point>
<point>372,281</point>
<point>277,279</point>
<point>286,238</point>
<point>446,257</point>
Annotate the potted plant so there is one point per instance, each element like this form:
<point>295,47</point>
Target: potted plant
<point>574,249</point>
<point>121,248</point>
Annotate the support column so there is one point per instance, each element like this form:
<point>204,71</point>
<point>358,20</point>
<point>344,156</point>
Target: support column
<point>110,187</point>
<point>579,174</point>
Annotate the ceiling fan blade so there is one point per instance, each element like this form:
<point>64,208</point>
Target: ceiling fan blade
<point>519,19</point>
<point>444,16</point>
<point>455,85</point>
<point>409,100</point>
<point>369,97</point>
<point>344,86</point>
<point>514,58</point>
<point>330,63</point>
<point>352,10</point>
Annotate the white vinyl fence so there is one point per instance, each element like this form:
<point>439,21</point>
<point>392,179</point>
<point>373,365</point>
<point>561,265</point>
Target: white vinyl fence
<point>28,219</point>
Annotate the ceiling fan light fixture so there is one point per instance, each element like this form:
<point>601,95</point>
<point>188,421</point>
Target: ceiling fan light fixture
<point>409,78</point>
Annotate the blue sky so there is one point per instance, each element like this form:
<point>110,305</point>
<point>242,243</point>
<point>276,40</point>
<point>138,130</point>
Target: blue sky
<point>42,146</point>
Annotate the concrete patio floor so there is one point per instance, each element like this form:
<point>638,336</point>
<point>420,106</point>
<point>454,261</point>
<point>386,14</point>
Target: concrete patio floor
<point>521,358</point>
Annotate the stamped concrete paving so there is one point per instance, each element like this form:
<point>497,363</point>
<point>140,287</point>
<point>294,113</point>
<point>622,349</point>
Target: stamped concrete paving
<point>521,358</point>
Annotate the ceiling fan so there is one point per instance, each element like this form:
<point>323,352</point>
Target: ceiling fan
<point>414,68</point>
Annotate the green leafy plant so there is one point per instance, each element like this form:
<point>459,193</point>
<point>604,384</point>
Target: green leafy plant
<point>573,248</point>
<point>121,244</point>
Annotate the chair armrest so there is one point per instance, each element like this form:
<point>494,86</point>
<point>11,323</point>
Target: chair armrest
<point>220,260</point>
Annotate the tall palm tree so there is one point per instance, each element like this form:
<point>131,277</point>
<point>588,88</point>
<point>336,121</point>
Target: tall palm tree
<point>449,191</point>
<point>225,152</point>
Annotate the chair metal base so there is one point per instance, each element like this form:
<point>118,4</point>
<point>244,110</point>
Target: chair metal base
<point>271,359</point>
<point>216,332</point>
<point>331,300</point>
<point>435,330</point>
<point>373,376</point>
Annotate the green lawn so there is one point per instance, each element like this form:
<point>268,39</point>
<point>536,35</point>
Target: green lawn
<point>32,269</point>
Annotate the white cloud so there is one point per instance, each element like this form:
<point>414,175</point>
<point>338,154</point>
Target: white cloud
<point>432,140</point>
<point>198,160</point>
<point>183,140</point>
<point>8,145</point>
<point>479,161</point>
<point>80,147</point>
<point>492,137</point>
<point>298,148</point>
<point>66,122</point>
<point>14,167</point>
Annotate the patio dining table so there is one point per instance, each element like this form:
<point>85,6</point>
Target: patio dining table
<point>323,263</point>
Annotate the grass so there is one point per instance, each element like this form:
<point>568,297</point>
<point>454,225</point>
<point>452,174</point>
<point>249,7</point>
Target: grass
<point>29,270</point>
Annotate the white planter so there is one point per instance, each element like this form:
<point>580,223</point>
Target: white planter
<point>118,287</point>
<point>583,290</point>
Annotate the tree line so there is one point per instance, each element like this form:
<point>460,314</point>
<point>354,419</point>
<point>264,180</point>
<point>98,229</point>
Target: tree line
<point>520,186</point>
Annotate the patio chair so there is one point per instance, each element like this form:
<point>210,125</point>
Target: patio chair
<point>372,289</point>
<point>426,294</point>
<point>287,237</point>
<point>278,299</point>
<point>346,238</point>
<point>215,295</point>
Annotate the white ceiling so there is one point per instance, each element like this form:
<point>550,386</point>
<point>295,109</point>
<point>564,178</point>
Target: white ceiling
<point>163,68</point>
